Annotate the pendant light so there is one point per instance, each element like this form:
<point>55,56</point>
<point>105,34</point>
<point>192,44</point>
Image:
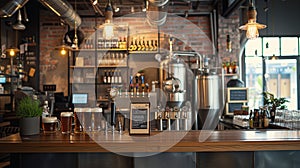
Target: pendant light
<point>75,40</point>
<point>108,30</point>
<point>252,27</point>
<point>19,25</point>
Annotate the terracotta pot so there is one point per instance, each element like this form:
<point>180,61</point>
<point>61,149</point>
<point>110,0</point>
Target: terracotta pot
<point>30,126</point>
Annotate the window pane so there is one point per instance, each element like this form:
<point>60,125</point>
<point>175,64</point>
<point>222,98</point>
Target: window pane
<point>281,80</point>
<point>271,46</point>
<point>289,46</point>
<point>254,81</point>
<point>253,47</point>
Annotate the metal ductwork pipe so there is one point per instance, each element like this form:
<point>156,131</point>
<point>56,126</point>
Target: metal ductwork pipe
<point>8,8</point>
<point>64,10</point>
<point>157,12</point>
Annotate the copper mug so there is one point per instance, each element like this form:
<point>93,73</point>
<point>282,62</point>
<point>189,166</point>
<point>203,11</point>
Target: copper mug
<point>50,124</point>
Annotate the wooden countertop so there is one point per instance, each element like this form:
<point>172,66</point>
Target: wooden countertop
<point>192,141</point>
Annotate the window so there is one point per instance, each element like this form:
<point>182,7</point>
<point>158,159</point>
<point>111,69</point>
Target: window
<point>276,76</point>
<point>271,46</point>
<point>289,46</point>
<point>253,47</point>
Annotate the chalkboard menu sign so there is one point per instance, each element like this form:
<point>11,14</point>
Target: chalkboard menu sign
<point>139,118</point>
<point>237,94</point>
<point>230,107</point>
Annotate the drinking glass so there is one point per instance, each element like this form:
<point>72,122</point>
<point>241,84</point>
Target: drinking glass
<point>66,122</point>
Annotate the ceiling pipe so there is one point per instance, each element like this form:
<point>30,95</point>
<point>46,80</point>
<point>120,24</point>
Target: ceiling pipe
<point>64,10</point>
<point>8,8</point>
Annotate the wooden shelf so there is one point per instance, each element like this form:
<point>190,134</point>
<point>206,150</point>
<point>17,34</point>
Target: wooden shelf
<point>87,66</point>
<point>100,50</point>
<point>143,52</point>
<point>113,66</point>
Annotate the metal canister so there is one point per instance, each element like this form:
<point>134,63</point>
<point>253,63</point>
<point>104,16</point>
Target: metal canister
<point>209,96</point>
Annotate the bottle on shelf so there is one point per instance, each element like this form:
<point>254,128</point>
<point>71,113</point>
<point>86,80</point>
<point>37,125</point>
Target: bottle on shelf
<point>133,45</point>
<point>116,76</point>
<point>113,59</point>
<point>131,86</point>
<point>260,120</point>
<point>108,77</point>
<point>119,76</point>
<point>136,86</point>
<point>155,45</point>
<point>143,84</point>
<point>142,43</point>
<point>250,120</point>
<point>150,46</point>
<point>112,77</point>
<point>138,44</point>
<point>266,119</point>
<point>105,77</point>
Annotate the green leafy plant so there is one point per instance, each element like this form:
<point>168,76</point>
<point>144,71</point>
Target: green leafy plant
<point>29,107</point>
<point>273,102</point>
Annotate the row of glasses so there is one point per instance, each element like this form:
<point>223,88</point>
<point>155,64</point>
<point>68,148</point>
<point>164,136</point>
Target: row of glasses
<point>90,120</point>
<point>288,118</point>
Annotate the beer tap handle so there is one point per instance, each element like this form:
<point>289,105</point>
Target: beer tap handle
<point>113,113</point>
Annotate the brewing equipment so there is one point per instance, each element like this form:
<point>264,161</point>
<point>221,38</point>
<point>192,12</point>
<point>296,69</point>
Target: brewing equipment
<point>176,113</point>
<point>172,74</point>
<point>182,104</point>
<point>209,96</point>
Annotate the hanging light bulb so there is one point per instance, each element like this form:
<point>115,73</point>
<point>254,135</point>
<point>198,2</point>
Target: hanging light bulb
<point>12,51</point>
<point>75,40</point>
<point>108,31</point>
<point>63,48</point>
<point>19,25</point>
<point>252,26</point>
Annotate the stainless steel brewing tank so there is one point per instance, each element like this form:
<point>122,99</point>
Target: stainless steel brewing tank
<point>176,68</point>
<point>209,97</point>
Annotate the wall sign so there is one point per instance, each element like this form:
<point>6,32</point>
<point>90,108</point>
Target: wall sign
<point>139,118</point>
<point>237,94</point>
<point>230,107</point>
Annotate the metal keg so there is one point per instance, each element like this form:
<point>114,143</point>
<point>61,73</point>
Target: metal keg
<point>209,96</point>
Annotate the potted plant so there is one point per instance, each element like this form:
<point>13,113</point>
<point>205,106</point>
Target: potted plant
<point>274,103</point>
<point>29,111</point>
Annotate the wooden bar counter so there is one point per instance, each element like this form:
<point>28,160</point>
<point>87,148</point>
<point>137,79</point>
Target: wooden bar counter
<point>192,141</point>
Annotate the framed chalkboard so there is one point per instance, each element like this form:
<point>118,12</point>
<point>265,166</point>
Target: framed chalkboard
<point>230,107</point>
<point>139,118</point>
<point>237,94</point>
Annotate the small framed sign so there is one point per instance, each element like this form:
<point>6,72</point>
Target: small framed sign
<point>237,94</point>
<point>230,107</point>
<point>139,118</point>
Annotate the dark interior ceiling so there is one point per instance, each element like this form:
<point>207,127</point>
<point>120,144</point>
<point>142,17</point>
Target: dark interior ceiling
<point>85,7</point>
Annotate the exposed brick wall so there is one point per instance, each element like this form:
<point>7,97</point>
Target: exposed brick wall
<point>229,26</point>
<point>196,36</point>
